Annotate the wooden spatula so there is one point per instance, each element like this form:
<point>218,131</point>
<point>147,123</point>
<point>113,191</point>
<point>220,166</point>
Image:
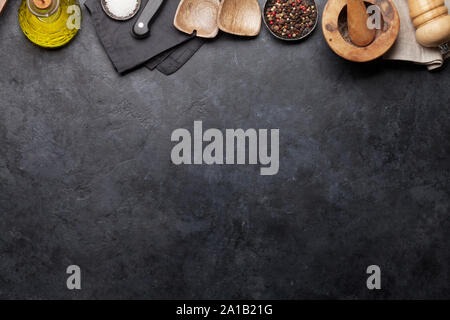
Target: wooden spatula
<point>199,16</point>
<point>357,23</point>
<point>2,5</point>
<point>240,17</point>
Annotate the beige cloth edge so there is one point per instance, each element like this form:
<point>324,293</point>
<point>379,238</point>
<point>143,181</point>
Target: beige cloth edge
<point>406,47</point>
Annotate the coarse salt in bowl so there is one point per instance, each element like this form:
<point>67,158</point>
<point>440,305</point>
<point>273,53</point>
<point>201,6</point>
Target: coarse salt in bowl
<point>121,9</point>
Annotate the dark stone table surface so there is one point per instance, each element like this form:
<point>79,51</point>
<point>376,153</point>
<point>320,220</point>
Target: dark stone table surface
<point>86,176</point>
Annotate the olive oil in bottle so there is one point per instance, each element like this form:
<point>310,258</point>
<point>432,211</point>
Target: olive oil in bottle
<point>50,23</point>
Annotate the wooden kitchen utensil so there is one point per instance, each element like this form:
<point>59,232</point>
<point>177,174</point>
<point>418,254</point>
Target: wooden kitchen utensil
<point>199,16</point>
<point>2,5</point>
<point>357,23</point>
<point>432,21</point>
<point>334,29</point>
<point>240,17</point>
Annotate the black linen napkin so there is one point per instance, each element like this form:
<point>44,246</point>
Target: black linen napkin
<point>173,59</point>
<point>127,52</point>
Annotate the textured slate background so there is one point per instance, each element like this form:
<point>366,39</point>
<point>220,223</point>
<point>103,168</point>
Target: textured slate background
<point>86,177</point>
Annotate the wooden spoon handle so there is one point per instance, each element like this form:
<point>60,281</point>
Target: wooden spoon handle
<point>357,23</point>
<point>2,4</point>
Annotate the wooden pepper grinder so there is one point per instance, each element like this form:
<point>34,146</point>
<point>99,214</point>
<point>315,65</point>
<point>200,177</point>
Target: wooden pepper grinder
<point>432,21</point>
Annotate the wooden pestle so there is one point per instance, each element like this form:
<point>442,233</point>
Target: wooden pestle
<point>432,21</point>
<point>357,18</point>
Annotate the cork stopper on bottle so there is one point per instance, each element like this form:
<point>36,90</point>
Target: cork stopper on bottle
<point>42,4</point>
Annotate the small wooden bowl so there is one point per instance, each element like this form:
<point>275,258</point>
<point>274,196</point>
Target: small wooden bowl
<point>289,39</point>
<point>384,39</point>
<point>240,17</point>
<point>198,16</point>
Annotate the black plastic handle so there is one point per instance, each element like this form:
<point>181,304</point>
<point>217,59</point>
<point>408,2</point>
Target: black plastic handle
<point>142,26</point>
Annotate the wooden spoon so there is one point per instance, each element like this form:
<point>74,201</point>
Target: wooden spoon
<point>240,17</point>
<point>2,5</point>
<point>199,16</point>
<point>357,23</point>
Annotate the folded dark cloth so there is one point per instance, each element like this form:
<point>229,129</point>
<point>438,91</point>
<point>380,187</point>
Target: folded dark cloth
<point>127,53</point>
<point>170,61</point>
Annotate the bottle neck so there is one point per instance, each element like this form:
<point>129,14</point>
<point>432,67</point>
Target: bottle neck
<point>43,8</point>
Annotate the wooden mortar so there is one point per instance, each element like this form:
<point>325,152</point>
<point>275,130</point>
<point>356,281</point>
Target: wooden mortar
<point>384,38</point>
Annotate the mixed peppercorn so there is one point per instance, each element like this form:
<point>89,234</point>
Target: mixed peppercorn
<point>290,19</point>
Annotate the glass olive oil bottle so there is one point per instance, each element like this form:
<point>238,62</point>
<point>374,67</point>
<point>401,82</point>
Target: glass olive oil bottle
<point>50,23</point>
